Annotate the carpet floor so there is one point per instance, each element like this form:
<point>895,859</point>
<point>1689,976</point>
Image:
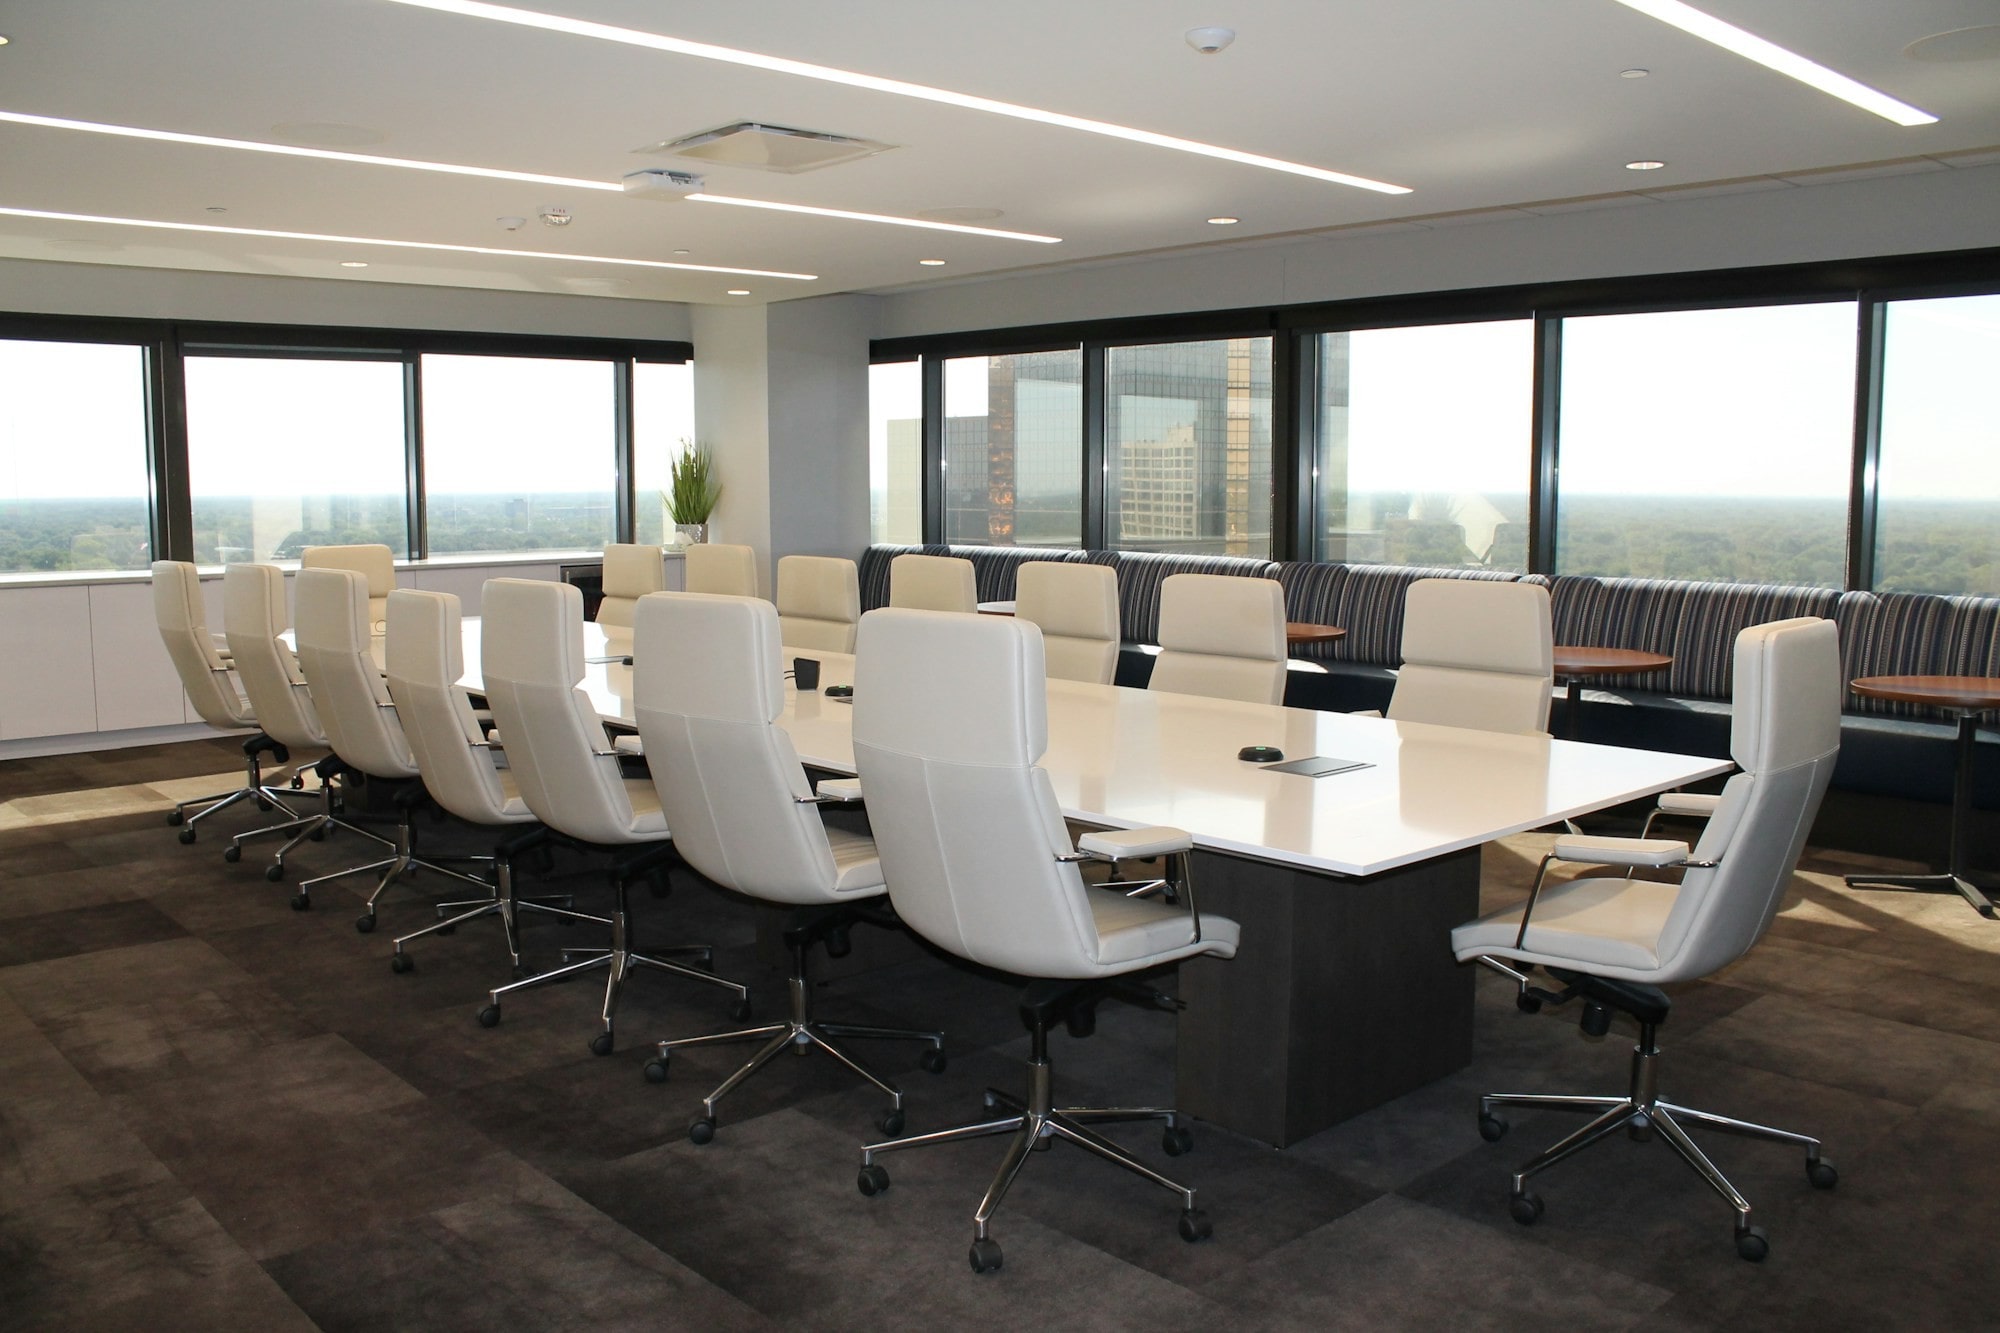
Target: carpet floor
<point>217,1112</point>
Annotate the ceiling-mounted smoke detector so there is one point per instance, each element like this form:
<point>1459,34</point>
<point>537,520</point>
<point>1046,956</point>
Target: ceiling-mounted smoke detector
<point>769,147</point>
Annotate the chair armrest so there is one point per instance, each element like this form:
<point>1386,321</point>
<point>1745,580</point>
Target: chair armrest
<point>1696,805</point>
<point>1126,844</point>
<point>629,745</point>
<point>1621,851</point>
<point>839,789</point>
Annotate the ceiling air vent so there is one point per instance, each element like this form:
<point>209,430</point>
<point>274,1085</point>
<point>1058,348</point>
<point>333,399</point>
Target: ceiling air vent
<point>768,147</point>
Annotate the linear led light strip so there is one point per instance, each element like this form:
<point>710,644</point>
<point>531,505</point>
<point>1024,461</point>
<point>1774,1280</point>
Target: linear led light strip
<point>1772,56</point>
<point>494,173</point>
<point>529,18</point>
<point>400,245</point>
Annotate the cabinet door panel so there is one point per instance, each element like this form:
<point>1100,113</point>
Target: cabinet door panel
<point>45,662</point>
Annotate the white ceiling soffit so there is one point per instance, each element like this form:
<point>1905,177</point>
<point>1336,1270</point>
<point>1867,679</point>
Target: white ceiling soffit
<point>1478,108</point>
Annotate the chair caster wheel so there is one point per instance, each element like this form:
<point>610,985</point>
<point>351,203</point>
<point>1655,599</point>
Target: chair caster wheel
<point>274,872</point>
<point>1195,1225</point>
<point>232,853</point>
<point>701,1131</point>
<point>872,1180</point>
<point>601,1044</point>
<point>932,1060</point>
<point>489,1017</point>
<point>740,1011</point>
<point>1525,1208</point>
<point>1752,1244</point>
<point>401,962</point>
<point>186,836</point>
<point>984,1255</point>
<point>1821,1174</point>
<point>656,1069</point>
<point>317,835</point>
<point>891,1122</point>
<point>1491,1127</point>
<point>365,923</point>
<point>1527,1004</point>
<point>175,819</point>
<point>1177,1140</point>
<point>989,1102</point>
<point>263,804</point>
<point>301,903</point>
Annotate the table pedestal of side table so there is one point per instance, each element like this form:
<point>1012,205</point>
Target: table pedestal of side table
<point>1958,877</point>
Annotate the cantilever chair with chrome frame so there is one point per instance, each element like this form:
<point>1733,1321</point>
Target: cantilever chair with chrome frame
<point>950,724</point>
<point>744,815</point>
<point>1615,942</point>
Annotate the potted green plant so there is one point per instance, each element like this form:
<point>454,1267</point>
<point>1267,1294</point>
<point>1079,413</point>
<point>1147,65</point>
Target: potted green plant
<point>694,491</point>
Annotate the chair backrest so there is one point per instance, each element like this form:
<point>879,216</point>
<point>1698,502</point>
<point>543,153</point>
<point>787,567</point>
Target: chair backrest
<point>531,650</point>
<point>1476,654</point>
<point>425,659</point>
<point>933,583</point>
<point>348,691</point>
<point>1785,737</point>
<point>183,624</point>
<point>950,719</point>
<point>729,780</point>
<point>1222,637</point>
<point>819,602</point>
<point>1076,607</point>
<point>630,572</point>
<point>372,560</point>
<point>730,571</point>
<point>253,616</point>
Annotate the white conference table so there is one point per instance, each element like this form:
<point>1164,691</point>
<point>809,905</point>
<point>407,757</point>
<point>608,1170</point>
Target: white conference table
<point>1344,993</point>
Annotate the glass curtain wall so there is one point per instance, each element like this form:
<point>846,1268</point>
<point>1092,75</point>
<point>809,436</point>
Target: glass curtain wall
<point>896,453</point>
<point>1937,517</point>
<point>74,489</point>
<point>286,453</point>
<point>1013,449</point>
<point>519,453</point>
<point>1187,443</point>
<point>1709,445</point>
<point>1423,440</point>
<point>662,427</point>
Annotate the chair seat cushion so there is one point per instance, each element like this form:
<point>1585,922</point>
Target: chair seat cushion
<point>1584,923</point>
<point>1134,931</point>
<point>857,870</point>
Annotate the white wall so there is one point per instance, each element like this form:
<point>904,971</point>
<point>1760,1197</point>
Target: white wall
<point>1939,208</point>
<point>36,287</point>
<point>732,415</point>
<point>819,425</point>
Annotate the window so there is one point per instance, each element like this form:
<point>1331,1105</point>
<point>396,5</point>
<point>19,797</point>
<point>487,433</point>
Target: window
<point>73,470</point>
<point>1707,444</point>
<point>1423,443</point>
<point>1188,447</point>
<point>518,453</point>
<point>896,452</point>
<point>1013,449</point>
<point>288,453</point>
<point>1938,483</point>
<point>662,425</point>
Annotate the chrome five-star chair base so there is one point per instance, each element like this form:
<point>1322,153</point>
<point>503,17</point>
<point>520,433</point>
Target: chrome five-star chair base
<point>267,795</point>
<point>402,859</point>
<point>1036,1122</point>
<point>801,1033</point>
<point>502,902</point>
<point>620,958</point>
<point>1640,1110</point>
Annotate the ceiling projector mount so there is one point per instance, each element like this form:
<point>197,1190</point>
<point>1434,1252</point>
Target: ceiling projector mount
<point>662,183</point>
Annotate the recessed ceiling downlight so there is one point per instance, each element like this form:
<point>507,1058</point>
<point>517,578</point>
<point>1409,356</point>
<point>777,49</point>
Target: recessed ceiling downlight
<point>931,263</point>
<point>1981,43</point>
<point>1645,164</point>
<point>1223,222</point>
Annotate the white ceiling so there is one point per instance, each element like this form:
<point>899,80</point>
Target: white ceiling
<point>1474,104</point>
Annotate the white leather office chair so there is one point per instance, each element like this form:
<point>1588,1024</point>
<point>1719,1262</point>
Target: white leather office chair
<point>254,617</point>
<point>1476,654</point>
<point>950,722</point>
<point>744,815</point>
<point>630,572</point>
<point>426,659</point>
<point>728,571</point>
<point>1615,942</point>
<point>1076,607</point>
<point>214,689</point>
<point>1222,637</point>
<point>373,561</point>
<point>933,583</point>
<point>352,700</point>
<point>819,602</point>
<point>531,646</point>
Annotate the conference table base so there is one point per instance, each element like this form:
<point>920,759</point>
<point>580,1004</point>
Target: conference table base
<point>1343,993</point>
